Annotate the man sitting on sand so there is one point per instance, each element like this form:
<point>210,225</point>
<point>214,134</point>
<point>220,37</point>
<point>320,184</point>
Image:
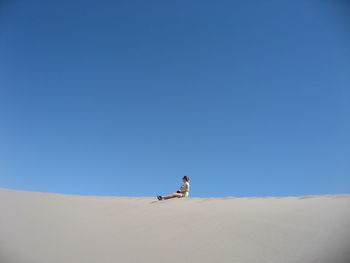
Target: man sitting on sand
<point>182,192</point>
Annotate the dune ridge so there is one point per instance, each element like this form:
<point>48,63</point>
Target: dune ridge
<point>44,227</point>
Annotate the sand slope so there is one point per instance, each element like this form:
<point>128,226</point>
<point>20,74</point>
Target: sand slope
<point>50,228</point>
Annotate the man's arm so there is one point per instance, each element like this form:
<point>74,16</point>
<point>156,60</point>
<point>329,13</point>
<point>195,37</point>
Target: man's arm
<point>184,190</point>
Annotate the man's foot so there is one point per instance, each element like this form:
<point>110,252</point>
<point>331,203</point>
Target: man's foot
<point>159,197</point>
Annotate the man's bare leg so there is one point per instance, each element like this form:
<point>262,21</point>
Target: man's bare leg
<point>172,196</point>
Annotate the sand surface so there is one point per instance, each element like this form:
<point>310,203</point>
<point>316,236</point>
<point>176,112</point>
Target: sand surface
<point>49,228</point>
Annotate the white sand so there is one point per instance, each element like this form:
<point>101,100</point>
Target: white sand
<point>48,228</point>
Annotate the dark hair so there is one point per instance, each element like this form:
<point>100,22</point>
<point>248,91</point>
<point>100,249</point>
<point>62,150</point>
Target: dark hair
<point>186,178</point>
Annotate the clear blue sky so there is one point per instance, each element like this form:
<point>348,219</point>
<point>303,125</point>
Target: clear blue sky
<point>248,98</point>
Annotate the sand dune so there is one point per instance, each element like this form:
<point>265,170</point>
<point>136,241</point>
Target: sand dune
<point>50,228</point>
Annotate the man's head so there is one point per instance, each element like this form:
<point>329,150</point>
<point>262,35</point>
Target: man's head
<point>185,178</point>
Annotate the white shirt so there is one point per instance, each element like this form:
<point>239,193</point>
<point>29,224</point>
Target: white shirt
<point>185,187</point>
